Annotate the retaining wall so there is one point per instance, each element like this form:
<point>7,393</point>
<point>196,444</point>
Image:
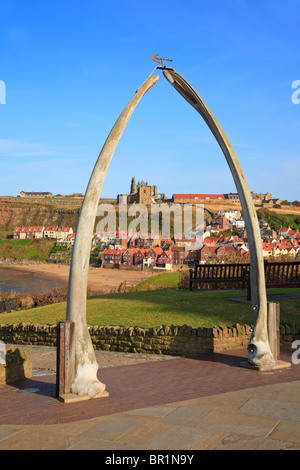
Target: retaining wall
<point>174,340</point>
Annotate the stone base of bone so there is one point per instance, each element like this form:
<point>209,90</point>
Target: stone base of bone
<point>86,381</point>
<point>73,398</point>
<point>262,368</point>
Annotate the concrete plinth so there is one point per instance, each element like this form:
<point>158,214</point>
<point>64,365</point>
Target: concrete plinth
<point>73,398</point>
<point>278,365</point>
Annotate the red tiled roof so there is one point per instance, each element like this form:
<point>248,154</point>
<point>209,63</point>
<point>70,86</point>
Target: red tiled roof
<point>198,196</point>
<point>157,250</point>
<point>132,251</point>
<point>112,251</point>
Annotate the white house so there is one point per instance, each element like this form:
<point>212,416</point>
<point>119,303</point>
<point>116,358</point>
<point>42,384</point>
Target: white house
<point>230,214</point>
<point>238,223</point>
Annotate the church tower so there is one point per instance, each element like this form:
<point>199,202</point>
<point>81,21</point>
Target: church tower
<point>133,186</point>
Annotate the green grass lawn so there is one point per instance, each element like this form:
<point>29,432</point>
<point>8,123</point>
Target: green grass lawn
<point>161,307</point>
<point>160,281</point>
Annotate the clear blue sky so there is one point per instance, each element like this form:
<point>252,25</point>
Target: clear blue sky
<point>71,66</point>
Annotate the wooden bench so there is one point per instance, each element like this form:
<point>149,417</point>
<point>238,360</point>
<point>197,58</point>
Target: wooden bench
<point>277,274</point>
<point>207,274</point>
<point>284,274</point>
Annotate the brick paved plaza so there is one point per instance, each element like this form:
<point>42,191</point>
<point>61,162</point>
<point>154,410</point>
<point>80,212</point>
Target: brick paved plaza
<point>157,402</point>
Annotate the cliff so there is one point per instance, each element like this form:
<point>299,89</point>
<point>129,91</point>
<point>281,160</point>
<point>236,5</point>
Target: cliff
<point>14,212</point>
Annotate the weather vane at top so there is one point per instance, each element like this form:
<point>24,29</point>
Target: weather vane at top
<point>160,60</point>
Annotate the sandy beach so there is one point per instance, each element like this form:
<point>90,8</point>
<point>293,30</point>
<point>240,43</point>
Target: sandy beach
<point>43,277</point>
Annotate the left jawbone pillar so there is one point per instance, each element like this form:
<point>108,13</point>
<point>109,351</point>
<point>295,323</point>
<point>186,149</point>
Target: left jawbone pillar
<point>86,365</point>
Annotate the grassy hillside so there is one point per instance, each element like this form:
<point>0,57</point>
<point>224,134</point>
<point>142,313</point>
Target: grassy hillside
<point>278,220</point>
<point>34,250</point>
<point>160,281</point>
<point>161,307</point>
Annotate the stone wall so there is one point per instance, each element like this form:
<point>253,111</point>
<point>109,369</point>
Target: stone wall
<point>173,340</point>
<point>289,333</point>
<point>16,365</point>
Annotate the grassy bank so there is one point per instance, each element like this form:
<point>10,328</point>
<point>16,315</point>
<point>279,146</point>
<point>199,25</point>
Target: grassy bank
<point>160,281</point>
<point>33,250</point>
<point>161,307</point>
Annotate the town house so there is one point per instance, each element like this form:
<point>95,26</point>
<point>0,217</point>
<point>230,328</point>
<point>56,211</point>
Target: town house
<point>211,241</point>
<point>179,254</point>
<point>145,242</point>
<point>220,222</point>
<point>63,232</point>
<point>23,233</point>
<point>134,256</point>
<point>16,234</point>
<point>224,250</point>
<point>164,260</point>
<point>50,231</point>
<point>207,252</point>
<point>153,254</point>
<point>113,256</point>
<point>193,256</point>
<point>34,232</point>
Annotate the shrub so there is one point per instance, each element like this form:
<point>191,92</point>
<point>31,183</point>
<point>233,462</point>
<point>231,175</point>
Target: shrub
<point>184,280</point>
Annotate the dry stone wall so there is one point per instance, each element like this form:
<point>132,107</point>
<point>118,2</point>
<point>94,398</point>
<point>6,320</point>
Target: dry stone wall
<point>173,340</point>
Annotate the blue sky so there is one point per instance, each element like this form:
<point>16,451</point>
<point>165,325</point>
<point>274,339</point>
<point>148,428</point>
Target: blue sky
<point>71,66</point>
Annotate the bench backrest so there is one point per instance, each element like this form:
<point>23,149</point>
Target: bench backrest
<point>277,274</point>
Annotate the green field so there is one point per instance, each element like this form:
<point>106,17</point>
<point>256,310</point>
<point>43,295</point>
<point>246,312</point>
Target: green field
<point>161,307</point>
<point>34,250</point>
<point>160,281</point>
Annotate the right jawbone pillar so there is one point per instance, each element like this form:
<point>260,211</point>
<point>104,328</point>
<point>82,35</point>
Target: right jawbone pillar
<point>259,353</point>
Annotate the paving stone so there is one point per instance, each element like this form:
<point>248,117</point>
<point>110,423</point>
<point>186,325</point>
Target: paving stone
<point>186,416</point>
<point>230,401</point>
<point>287,392</point>
<point>238,423</point>
<point>156,411</point>
<point>77,443</point>
<point>143,432</point>
<point>241,442</point>
<point>287,431</point>
<point>34,440</point>
<point>271,409</point>
<point>177,438</point>
<point>111,428</point>
<point>6,431</point>
<point>212,440</point>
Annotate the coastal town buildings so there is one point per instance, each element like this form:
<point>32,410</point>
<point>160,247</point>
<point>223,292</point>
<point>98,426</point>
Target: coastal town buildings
<point>223,236</point>
<point>136,250</point>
